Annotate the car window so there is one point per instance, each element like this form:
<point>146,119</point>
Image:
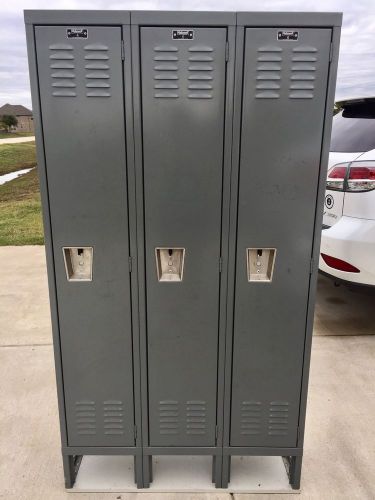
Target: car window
<point>353,130</point>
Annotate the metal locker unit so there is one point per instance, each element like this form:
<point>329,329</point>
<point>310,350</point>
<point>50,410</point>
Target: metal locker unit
<point>182,162</point>
<point>284,108</point>
<point>78,81</point>
<point>184,80</point>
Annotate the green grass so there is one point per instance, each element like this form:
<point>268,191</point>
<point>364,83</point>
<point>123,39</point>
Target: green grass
<point>12,135</point>
<point>20,211</point>
<point>17,156</point>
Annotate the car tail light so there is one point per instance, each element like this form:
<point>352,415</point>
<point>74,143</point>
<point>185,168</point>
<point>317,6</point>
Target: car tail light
<point>361,176</point>
<point>336,177</point>
<point>354,177</point>
<point>339,264</point>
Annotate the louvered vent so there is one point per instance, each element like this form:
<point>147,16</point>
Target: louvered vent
<point>168,417</point>
<point>278,418</point>
<point>303,73</point>
<point>268,75</point>
<point>97,66</point>
<point>200,79</point>
<point>62,70</point>
<point>85,415</point>
<point>166,80</point>
<point>113,412</point>
<point>251,417</point>
<point>195,417</point>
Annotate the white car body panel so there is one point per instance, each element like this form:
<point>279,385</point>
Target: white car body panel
<point>351,235</point>
<point>352,240</point>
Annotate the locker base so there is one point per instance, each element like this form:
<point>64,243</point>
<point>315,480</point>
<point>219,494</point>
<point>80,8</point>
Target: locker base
<point>71,463</point>
<point>292,462</point>
<point>150,451</point>
<point>293,466</point>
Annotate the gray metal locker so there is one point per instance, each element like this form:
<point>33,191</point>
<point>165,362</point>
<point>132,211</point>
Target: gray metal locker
<point>82,114</point>
<point>182,162</point>
<point>182,169</point>
<point>283,104</point>
<point>282,134</point>
<point>81,85</point>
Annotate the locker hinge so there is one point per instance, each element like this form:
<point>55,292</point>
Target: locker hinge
<point>227,51</point>
<point>298,434</point>
<point>130,264</point>
<point>331,52</point>
<point>220,265</point>
<point>216,433</point>
<point>122,50</point>
<point>135,433</point>
<point>311,266</point>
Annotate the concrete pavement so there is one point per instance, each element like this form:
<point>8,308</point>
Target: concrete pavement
<point>339,458</point>
<point>15,140</point>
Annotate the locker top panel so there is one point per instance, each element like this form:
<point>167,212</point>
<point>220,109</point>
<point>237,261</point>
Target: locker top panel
<point>71,17</point>
<point>290,19</point>
<point>181,18</point>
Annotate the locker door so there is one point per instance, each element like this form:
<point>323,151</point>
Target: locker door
<point>81,89</point>
<point>183,85</point>
<point>284,94</point>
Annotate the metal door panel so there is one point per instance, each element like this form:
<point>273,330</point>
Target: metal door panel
<point>284,94</point>
<point>81,90</point>
<point>183,97</point>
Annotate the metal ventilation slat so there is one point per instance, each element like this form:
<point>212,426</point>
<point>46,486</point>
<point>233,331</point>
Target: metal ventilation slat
<point>201,58</point>
<point>166,67</point>
<point>165,48</point>
<point>268,72</point>
<point>63,74</point>
<point>98,76</point>
<point>96,46</point>
<point>269,58</point>
<point>62,66</point>
<point>166,57</point>
<point>97,57</point>
<point>60,46</point>
<point>166,85</point>
<point>96,65</point>
<point>166,80</point>
<point>200,86</point>
<point>62,56</point>
<point>200,48</point>
<point>64,93</point>
<point>98,85</point>
<point>66,84</point>
<point>203,67</point>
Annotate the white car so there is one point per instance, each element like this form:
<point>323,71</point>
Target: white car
<point>347,250</point>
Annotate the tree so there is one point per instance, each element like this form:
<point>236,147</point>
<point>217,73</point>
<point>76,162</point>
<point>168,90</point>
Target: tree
<point>9,121</point>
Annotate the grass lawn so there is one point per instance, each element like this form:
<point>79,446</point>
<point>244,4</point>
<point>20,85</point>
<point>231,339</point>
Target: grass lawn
<point>20,211</point>
<point>13,135</point>
<point>17,156</point>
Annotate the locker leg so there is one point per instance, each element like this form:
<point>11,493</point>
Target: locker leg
<point>216,470</point>
<point>147,471</point>
<point>295,468</point>
<point>226,471</point>
<point>138,476</point>
<point>71,465</point>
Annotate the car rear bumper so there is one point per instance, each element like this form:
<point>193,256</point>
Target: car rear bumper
<point>351,240</point>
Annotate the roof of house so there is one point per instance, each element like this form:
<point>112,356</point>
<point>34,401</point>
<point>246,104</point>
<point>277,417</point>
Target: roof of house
<point>15,109</point>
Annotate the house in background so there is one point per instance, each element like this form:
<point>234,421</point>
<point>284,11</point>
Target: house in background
<point>24,116</point>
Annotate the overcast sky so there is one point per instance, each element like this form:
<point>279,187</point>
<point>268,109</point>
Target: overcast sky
<point>356,76</point>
